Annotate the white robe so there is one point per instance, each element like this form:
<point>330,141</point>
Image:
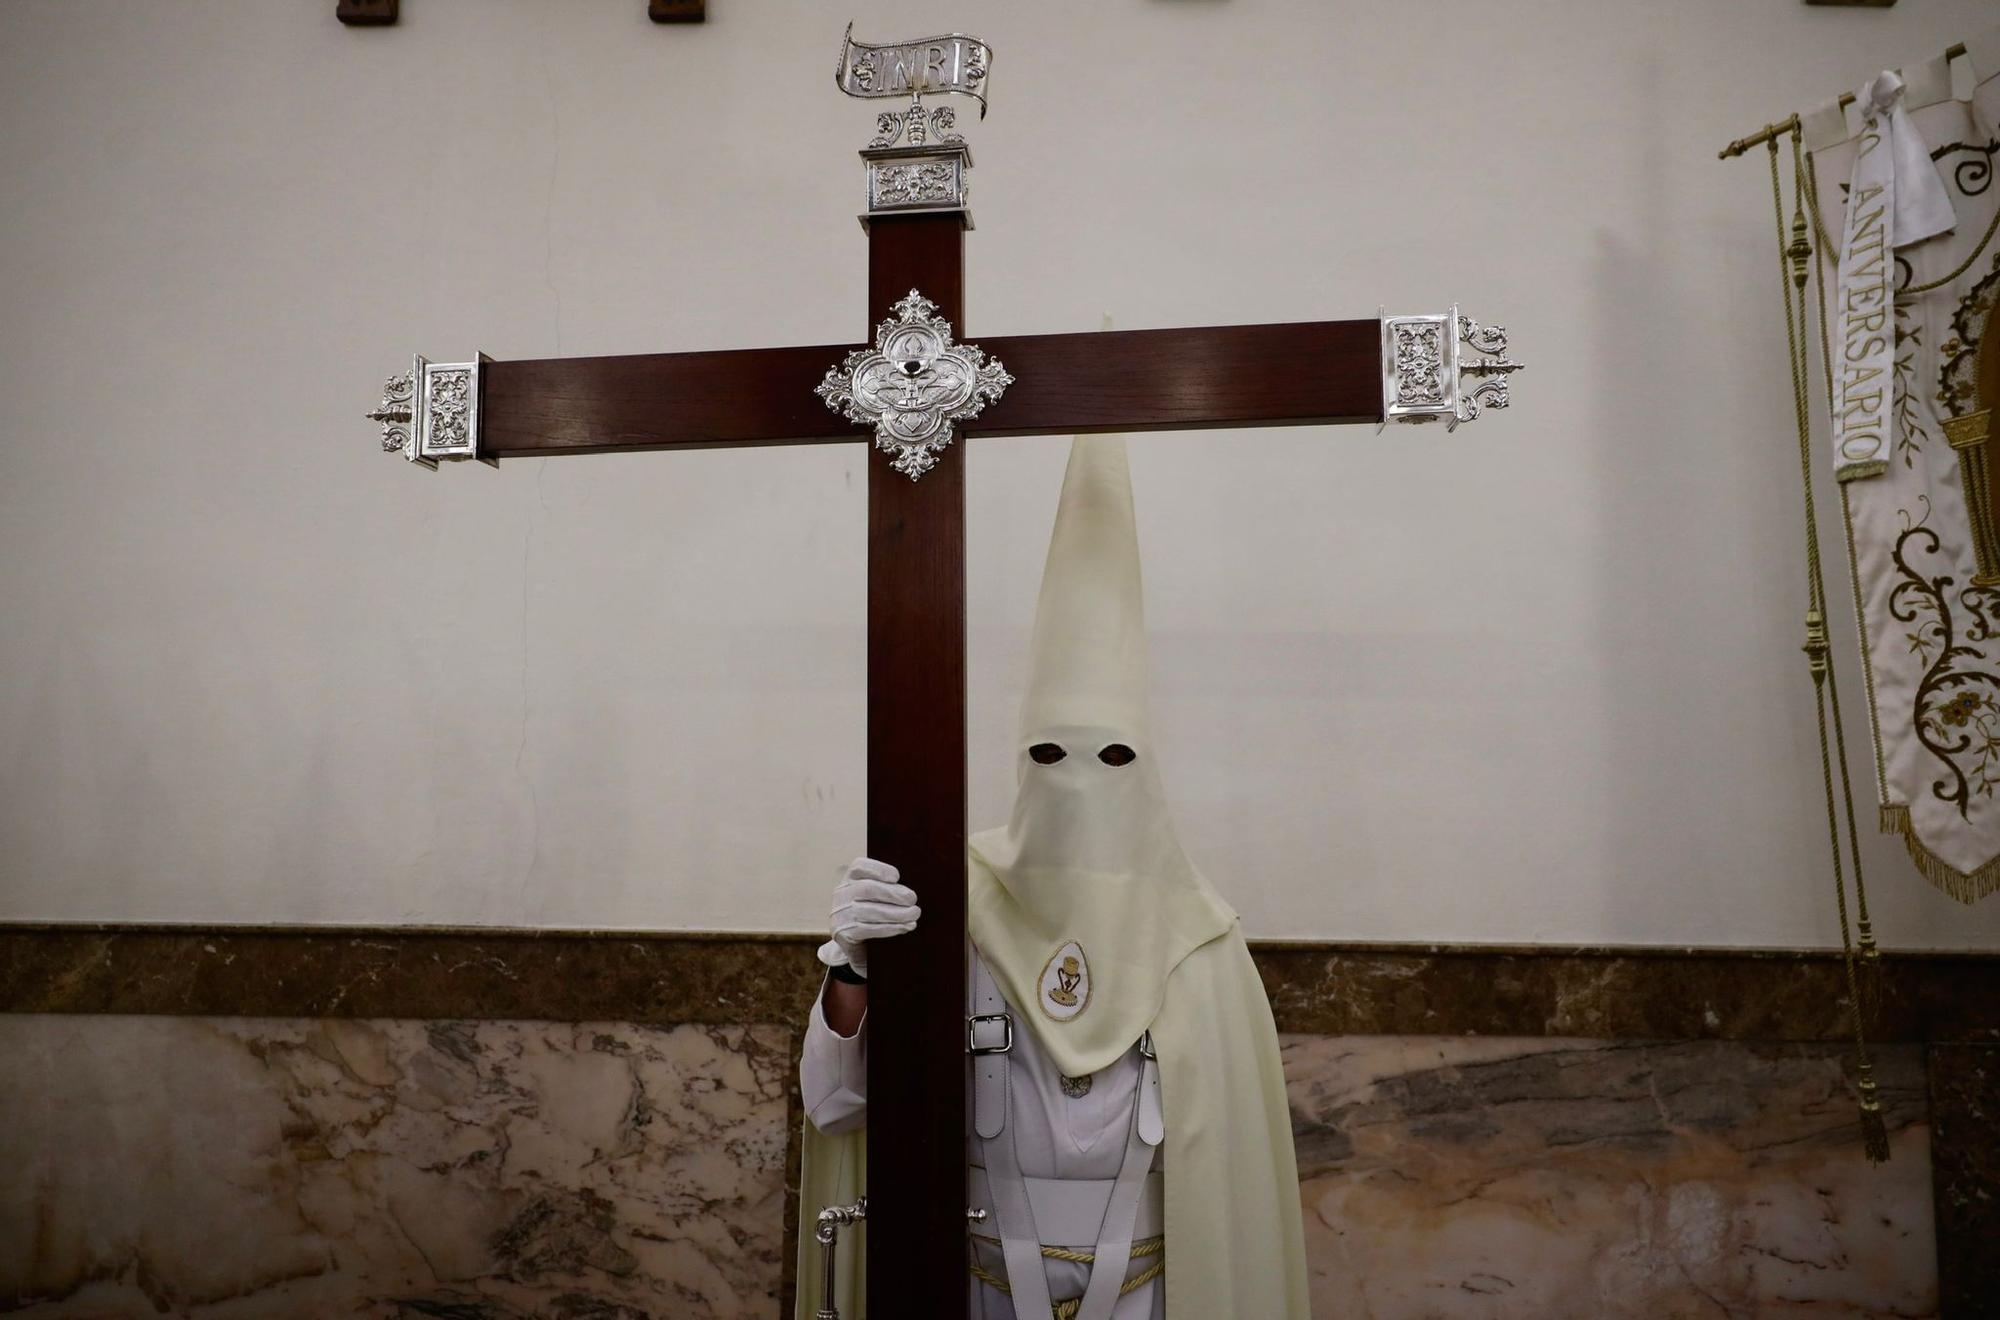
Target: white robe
<point>1056,1136</point>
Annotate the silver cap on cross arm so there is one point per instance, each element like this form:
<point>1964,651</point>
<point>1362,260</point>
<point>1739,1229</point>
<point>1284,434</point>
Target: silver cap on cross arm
<point>430,414</point>
<point>1445,367</point>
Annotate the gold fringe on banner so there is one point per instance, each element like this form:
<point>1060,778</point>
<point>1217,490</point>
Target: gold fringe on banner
<point>1965,886</point>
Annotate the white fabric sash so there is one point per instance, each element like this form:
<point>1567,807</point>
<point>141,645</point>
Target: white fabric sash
<point>1894,199</point>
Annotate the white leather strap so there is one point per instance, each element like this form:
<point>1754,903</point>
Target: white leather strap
<point>990,1038</point>
<point>1020,1246</point>
<point>1152,1112</point>
<point>1114,1237</point>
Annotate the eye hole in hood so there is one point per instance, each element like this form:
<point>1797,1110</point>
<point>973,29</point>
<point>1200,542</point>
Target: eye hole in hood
<point>1117,754</point>
<point>1046,753</point>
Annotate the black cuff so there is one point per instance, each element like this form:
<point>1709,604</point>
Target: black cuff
<point>846,975</point>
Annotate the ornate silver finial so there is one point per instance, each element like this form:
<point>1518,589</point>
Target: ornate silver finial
<point>431,412</point>
<point>918,125</point>
<point>913,385</point>
<point>915,162</point>
<point>395,413</point>
<point>1425,360</point>
<point>950,63</point>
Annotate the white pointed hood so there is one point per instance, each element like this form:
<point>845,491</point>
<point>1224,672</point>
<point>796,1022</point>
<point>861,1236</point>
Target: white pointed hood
<point>1084,904</point>
<point>1099,929</point>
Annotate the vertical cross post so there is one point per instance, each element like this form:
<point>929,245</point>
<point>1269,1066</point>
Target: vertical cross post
<point>917,822</point>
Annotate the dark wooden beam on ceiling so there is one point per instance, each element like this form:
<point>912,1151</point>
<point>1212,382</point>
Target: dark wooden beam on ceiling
<point>367,13</point>
<point>381,13</point>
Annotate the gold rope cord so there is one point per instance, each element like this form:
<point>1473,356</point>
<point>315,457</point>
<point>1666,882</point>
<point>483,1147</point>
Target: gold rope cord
<point>1066,1310</point>
<point>1825,245</point>
<point>1806,177</point>
<point>1793,255</point>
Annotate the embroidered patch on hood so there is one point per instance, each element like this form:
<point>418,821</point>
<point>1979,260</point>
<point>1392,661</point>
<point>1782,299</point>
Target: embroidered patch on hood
<point>1066,983</point>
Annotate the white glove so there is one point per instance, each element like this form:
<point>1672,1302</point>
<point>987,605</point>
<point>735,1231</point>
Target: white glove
<point>868,904</point>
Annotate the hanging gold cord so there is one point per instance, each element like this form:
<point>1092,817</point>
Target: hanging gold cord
<point>1908,290</point>
<point>1793,255</point>
<point>1979,248</point>
<point>1805,177</point>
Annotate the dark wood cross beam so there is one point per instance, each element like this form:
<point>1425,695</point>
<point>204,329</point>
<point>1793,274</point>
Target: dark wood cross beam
<point>1287,374</point>
<point>1312,372</point>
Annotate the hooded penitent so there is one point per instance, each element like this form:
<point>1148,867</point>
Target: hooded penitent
<point>1084,904</point>
<point>1099,929</point>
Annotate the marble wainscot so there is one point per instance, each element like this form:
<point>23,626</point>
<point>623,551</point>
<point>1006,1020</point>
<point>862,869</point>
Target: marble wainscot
<point>1456,1177</point>
<point>230,1167</point>
<point>492,1125</point>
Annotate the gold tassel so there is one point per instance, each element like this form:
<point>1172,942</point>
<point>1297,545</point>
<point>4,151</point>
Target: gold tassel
<point>1874,1131</point>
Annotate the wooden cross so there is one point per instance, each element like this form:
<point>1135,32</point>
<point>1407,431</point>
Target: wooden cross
<point>1293,374</point>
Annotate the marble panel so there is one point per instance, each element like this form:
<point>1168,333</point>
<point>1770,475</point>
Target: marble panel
<point>1535,1178</point>
<point>230,1167</point>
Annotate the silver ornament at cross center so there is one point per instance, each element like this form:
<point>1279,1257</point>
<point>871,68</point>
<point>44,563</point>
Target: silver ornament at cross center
<point>913,384</point>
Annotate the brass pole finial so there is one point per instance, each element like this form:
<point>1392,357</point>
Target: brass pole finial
<point>1816,646</point>
<point>1799,250</point>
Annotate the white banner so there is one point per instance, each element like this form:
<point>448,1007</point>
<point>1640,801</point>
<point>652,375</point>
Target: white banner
<point>1911,414</point>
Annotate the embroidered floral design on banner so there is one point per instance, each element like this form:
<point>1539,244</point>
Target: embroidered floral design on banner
<point>1065,983</point>
<point>1956,717</point>
<point>1910,432</point>
<point>1973,175</point>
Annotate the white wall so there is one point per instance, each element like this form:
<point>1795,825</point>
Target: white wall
<point>1535,681</point>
